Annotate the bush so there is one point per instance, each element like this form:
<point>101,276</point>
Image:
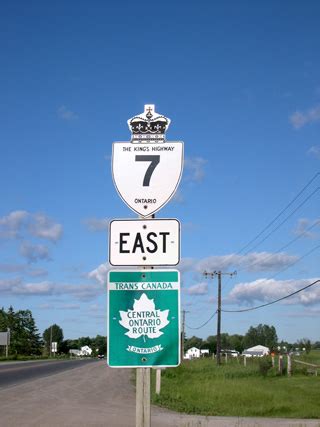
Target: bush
<point>265,364</point>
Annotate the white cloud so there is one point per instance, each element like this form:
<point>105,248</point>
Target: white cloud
<point>11,224</point>
<point>34,253</point>
<point>194,168</point>
<point>315,151</point>
<point>97,224</point>
<point>198,289</point>
<point>17,223</point>
<point>12,268</point>
<point>186,264</point>
<point>65,114</point>
<point>267,290</point>
<point>100,274</point>
<point>44,227</point>
<point>37,272</point>
<point>303,225</point>
<point>16,287</point>
<point>299,119</point>
<point>6,285</point>
<point>255,261</point>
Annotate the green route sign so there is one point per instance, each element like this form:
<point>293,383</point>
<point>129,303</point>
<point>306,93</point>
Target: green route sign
<point>143,318</point>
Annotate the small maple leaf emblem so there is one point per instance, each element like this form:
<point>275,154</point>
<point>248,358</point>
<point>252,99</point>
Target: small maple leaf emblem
<point>144,320</point>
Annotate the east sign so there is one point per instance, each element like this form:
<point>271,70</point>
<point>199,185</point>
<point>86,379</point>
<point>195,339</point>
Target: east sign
<point>143,324</point>
<point>144,242</point>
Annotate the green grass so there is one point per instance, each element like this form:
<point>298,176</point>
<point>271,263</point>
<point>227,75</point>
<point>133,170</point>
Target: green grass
<point>200,387</point>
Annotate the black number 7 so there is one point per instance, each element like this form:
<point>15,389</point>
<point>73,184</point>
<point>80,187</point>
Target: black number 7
<point>155,160</point>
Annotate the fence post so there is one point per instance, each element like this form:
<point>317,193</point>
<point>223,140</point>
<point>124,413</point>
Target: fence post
<point>158,381</point>
<point>280,364</point>
<point>289,365</point>
<point>244,360</point>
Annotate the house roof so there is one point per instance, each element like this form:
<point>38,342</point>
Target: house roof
<point>258,348</point>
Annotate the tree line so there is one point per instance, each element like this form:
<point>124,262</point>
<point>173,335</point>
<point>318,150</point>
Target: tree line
<point>256,335</point>
<point>25,339</point>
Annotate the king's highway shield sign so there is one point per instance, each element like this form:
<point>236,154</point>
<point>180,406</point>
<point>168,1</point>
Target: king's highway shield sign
<point>143,318</point>
<point>147,175</point>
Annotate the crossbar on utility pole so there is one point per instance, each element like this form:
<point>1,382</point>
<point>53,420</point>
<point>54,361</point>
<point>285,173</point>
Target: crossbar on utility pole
<point>211,275</point>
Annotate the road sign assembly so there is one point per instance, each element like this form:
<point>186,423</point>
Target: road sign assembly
<point>147,171</point>
<point>143,318</point>
<point>144,242</point>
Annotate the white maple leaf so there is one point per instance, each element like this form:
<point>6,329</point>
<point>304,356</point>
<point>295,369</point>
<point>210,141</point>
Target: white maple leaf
<point>144,320</point>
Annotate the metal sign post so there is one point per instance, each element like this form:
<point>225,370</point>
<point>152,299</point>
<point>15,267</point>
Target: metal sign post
<point>144,306</point>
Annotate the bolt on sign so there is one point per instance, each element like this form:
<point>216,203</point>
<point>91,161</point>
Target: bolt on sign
<point>143,323</point>
<point>147,171</point>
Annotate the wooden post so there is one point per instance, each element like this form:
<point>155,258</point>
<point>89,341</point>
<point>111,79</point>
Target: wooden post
<point>244,360</point>
<point>143,411</point>
<point>280,364</point>
<point>158,381</point>
<point>289,365</point>
<point>219,320</point>
<point>8,342</point>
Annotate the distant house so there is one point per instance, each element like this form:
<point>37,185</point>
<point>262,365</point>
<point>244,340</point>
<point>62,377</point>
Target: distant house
<point>84,351</point>
<point>256,351</point>
<point>195,353</point>
<point>192,353</point>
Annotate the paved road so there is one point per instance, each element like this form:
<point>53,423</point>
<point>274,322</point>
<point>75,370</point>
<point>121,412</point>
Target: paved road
<point>94,395</point>
<point>13,373</point>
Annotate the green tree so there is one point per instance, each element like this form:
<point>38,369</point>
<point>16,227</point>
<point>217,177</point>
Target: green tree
<point>236,342</point>
<point>53,334</point>
<point>99,343</point>
<point>24,335</point>
<point>305,343</point>
<point>193,342</point>
<point>211,342</point>
<point>261,335</point>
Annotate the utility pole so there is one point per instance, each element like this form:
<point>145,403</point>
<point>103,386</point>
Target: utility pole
<point>211,275</point>
<point>51,341</point>
<point>183,332</point>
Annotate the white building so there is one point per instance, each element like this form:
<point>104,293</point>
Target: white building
<point>84,351</point>
<point>192,353</point>
<point>256,351</point>
<point>196,353</point>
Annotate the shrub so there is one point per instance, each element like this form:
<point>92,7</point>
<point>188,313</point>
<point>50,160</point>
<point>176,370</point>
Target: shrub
<point>265,365</point>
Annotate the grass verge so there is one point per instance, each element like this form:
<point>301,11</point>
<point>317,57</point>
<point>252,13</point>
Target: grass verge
<point>200,387</point>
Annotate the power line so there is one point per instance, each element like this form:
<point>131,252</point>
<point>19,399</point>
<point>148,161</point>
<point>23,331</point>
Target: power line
<point>272,302</point>
<point>250,264</point>
<point>204,324</point>
<point>283,247</point>
<point>280,213</point>
<point>295,262</point>
<point>285,220</point>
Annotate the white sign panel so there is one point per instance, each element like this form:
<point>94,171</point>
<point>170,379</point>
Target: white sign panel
<point>54,347</point>
<point>144,242</point>
<point>4,338</point>
<point>146,175</point>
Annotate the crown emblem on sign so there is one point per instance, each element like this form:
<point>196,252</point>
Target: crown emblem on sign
<point>148,126</point>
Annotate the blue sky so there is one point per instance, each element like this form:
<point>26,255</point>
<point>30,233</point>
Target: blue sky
<point>240,82</point>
